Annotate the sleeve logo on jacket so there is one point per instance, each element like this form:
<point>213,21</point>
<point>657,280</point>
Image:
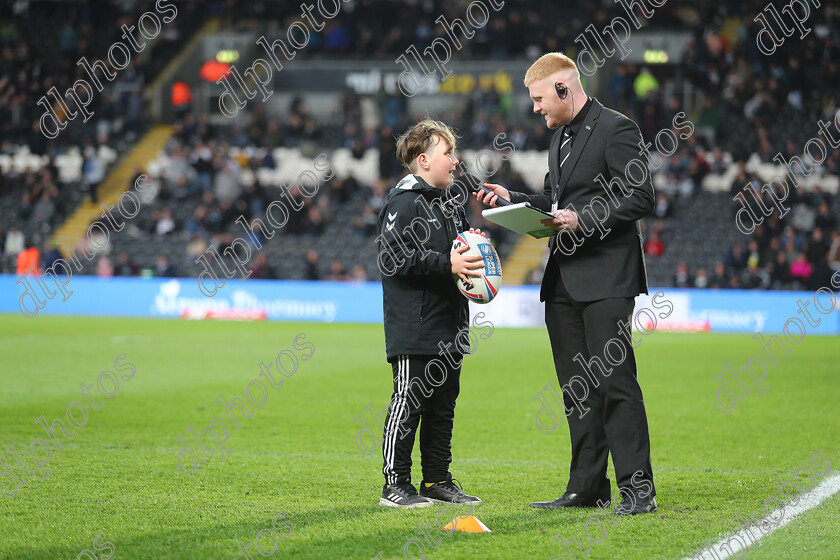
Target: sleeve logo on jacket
<point>391,221</point>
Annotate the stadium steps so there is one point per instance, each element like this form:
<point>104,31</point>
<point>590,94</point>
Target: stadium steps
<point>526,255</point>
<point>115,183</point>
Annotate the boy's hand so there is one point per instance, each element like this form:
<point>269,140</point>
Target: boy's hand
<point>463,265</point>
<point>490,198</point>
<point>478,231</point>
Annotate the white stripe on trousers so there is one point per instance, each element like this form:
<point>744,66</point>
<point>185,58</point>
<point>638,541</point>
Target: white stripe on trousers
<point>389,449</point>
<point>396,413</point>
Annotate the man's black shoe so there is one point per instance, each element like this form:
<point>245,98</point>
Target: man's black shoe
<point>572,499</point>
<point>636,505</point>
<point>447,492</point>
<point>403,496</point>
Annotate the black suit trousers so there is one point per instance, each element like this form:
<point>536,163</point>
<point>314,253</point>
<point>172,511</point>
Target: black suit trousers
<point>596,370</point>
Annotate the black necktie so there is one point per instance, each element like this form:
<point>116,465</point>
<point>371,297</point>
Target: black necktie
<point>565,150</point>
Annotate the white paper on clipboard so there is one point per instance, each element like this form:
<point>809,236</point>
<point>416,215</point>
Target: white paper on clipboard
<point>521,218</point>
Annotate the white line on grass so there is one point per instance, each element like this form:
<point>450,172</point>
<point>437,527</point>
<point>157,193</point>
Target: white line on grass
<point>808,500</point>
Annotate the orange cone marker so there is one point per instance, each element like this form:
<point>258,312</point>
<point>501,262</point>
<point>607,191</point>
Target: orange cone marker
<point>468,524</point>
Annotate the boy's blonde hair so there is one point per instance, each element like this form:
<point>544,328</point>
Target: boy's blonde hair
<point>419,138</point>
<point>548,64</point>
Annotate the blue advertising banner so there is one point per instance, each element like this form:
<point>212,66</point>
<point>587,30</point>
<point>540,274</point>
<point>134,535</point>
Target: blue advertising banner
<point>281,300</point>
<point>750,311</point>
<point>744,311</point>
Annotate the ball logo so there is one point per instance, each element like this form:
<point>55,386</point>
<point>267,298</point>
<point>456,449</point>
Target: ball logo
<point>483,286</point>
<point>491,264</point>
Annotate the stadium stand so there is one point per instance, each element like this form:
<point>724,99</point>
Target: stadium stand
<point>209,174</point>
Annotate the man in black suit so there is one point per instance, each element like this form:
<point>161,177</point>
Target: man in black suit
<point>598,187</point>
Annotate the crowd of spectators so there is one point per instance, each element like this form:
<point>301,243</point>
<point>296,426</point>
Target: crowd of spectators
<point>41,42</point>
<point>385,28</point>
<point>800,251</point>
<point>801,81</point>
<point>202,171</point>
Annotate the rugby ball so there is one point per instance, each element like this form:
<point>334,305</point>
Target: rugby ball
<point>480,289</point>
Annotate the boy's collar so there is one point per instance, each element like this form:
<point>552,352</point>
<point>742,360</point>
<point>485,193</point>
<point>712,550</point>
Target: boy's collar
<point>414,182</point>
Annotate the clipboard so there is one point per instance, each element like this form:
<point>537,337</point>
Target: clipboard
<point>523,218</point>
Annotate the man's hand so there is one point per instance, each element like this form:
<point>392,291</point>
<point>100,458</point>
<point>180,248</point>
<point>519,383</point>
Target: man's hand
<point>563,220</point>
<point>490,198</point>
<point>463,265</point>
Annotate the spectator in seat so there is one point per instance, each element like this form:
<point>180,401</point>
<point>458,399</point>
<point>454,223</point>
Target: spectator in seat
<point>377,195</point>
<point>654,246</point>
<point>720,279</point>
<point>792,245</point>
<point>337,272</point>
<point>824,219</point>
<point>735,260</point>
<point>125,266</point>
<point>199,222</point>
<point>755,278</point>
<point>834,251</point>
<point>312,271</point>
<point>700,279</point>
<point>163,268</point>
<point>28,260</point>
<point>800,269</point>
<point>769,251</point>
<point>663,207</point>
<point>314,222</point>
<point>753,251</point>
<point>358,274</point>
<point>226,184</point>
<point>104,269</point>
<point>44,209</point>
<point>803,217</point>
<point>51,254</point>
<point>260,269</point>
<point>365,225</point>
<point>780,274</point>
<point>14,242</point>
<point>682,278</point>
<point>165,224</point>
<point>196,247</point>
<point>820,276</point>
<point>201,160</point>
<point>817,247</point>
<point>93,170</point>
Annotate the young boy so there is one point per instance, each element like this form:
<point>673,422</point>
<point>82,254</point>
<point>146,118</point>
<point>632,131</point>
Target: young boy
<point>424,311</point>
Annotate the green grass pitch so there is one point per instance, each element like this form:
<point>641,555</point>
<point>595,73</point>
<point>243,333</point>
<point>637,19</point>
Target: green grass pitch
<point>297,454</point>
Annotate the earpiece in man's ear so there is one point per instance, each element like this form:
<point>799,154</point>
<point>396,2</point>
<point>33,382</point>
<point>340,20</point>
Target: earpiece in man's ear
<point>562,91</point>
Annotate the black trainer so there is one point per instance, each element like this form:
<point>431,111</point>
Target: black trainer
<point>447,492</point>
<point>403,496</point>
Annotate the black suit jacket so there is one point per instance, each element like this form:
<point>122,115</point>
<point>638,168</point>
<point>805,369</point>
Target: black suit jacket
<point>604,258</point>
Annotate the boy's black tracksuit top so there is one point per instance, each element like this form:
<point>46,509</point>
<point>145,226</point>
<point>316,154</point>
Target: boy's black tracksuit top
<point>424,311</point>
